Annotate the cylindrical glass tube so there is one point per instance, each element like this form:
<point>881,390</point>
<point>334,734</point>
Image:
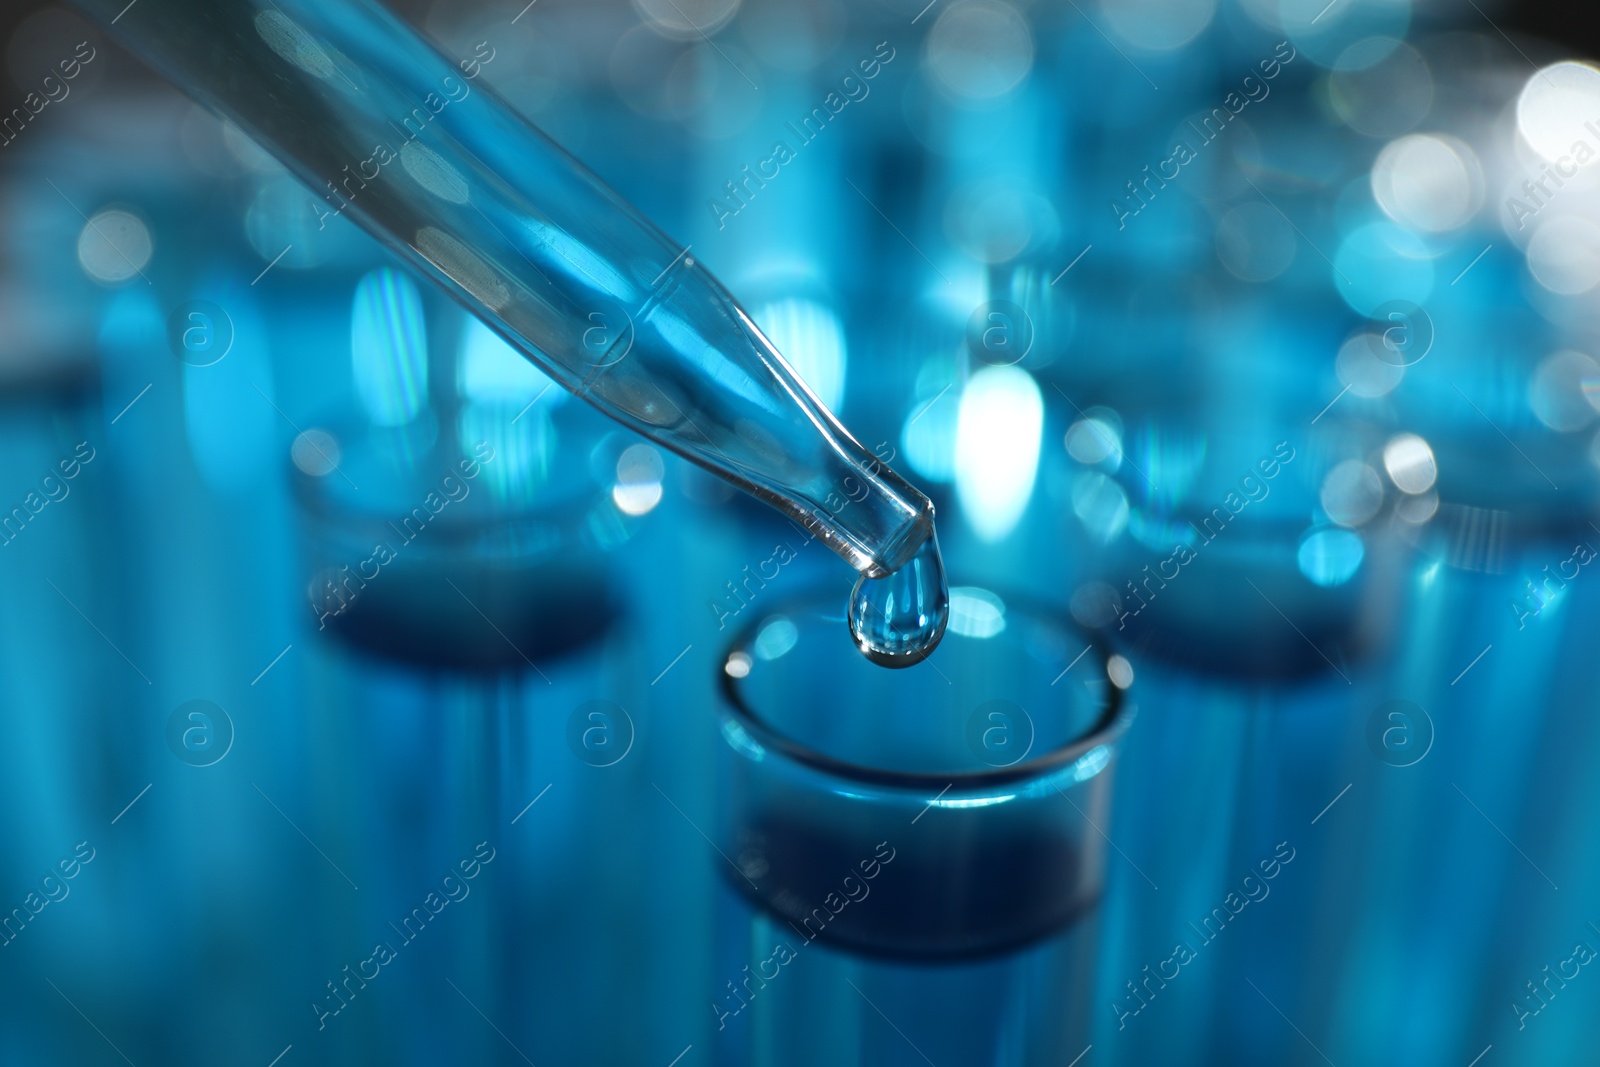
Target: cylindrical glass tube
<point>912,855</point>
<point>415,150</point>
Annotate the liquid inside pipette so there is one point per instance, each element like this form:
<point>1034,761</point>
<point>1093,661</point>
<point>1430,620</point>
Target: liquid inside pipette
<point>899,619</point>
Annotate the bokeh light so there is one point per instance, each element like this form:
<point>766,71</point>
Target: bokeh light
<point>1427,182</point>
<point>687,20</point>
<point>1329,556</point>
<point>1554,106</point>
<point>1158,25</point>
<point>1352,493</point>
<point>1564,254</point>
<point>1361,366</point>
<point>315,452</point>
<point>114,245</point>
<point>980,49</point>
<point>1565,391</point>
<point>1410,463</point>
<point>997,449</point>
<point>639,473</point>
<point>1381,87</point>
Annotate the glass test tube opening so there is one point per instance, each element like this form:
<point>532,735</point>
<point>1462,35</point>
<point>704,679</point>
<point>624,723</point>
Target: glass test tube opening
<point>930,830</point>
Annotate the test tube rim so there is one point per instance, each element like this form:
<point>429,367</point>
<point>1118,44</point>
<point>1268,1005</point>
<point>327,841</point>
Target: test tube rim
<point>1114,720</point>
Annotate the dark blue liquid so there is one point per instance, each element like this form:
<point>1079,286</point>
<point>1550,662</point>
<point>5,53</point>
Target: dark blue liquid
<point>990,969</point>
<point>1015,883</point>
<point>466,616</point>
<point>898,620</point>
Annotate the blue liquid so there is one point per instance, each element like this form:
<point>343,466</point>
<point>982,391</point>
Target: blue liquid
<point>996,970</point>
<point>898,620</point>
<point>427,614</point>
<point>1016,885</point>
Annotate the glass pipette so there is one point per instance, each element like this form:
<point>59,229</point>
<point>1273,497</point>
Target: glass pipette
<point>412,147</point>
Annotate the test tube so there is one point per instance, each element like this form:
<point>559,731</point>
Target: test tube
<point>449,511</point>
<point>1483,685</point>
<point>911,857</point>
<point>417,151</point>
<point>465,632</point>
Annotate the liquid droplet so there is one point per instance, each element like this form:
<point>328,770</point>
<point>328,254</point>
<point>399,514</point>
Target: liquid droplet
<point>898,620</point>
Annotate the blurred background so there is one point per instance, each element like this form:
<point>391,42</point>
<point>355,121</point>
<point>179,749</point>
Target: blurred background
<point>1257,338</point>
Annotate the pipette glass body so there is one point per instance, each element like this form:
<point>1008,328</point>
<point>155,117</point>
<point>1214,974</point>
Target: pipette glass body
<point>411,146</point>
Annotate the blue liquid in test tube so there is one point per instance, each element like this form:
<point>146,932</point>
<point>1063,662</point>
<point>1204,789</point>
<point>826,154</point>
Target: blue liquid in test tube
<point>911,868</point>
